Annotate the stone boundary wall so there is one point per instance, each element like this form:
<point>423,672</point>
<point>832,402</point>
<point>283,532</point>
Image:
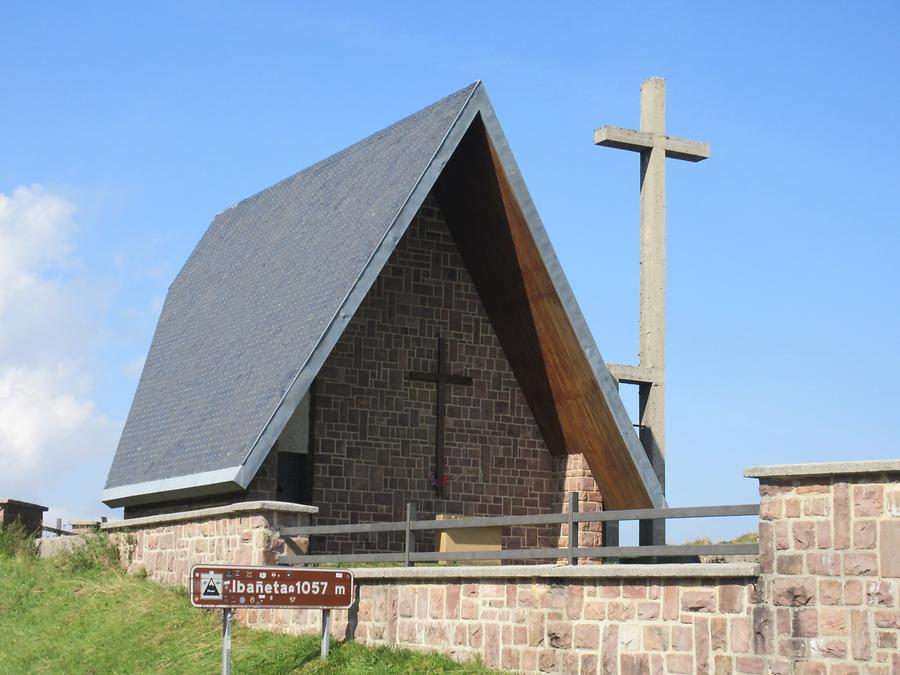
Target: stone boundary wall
<point>166,546</point>
<point>559,619</point>
<point>825,597</point>
<point>830,567</point>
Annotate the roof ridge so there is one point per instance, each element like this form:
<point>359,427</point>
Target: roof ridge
<point>470,88</point>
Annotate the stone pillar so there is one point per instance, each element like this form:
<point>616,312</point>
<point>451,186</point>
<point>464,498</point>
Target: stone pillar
<point>830,564</point>
<point>575,476</point>
<point>31,516</point>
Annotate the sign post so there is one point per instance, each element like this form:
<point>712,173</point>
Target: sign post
<point>326,633</point>
<point>232,587</point>
<point>226,641</point>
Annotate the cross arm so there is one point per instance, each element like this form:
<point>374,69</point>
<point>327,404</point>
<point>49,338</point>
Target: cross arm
<point>635,374</point>
<point>457,379</point>
<point>439,377</point>
<point>640,141</point>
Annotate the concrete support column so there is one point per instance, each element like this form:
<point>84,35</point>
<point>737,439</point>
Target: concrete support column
<point>652,409</point>
<point>654,147</point>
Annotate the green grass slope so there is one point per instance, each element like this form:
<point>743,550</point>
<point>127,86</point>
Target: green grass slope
<point>81,614</point>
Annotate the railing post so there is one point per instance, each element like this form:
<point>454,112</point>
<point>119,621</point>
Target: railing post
<point>410,540</point>
<point>573,528</point>
<point>611,537</point>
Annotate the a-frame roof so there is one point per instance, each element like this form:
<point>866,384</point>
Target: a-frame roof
<point>264,297</point>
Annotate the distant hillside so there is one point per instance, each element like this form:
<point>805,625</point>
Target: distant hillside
<point>747,538</point>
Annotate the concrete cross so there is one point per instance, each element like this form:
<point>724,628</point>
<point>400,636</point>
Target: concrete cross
<point>654,146</point>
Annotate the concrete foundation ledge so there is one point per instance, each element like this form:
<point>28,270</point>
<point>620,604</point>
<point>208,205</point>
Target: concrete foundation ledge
<point>658,571</point>
<point>238,509</point>
<point>873,466</point>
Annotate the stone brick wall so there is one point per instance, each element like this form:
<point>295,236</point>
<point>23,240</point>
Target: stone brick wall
<point>694,623</point>
<point>824,599</point>
<point>374,428</point>
<point>830,567</point>
<point>167,546</point>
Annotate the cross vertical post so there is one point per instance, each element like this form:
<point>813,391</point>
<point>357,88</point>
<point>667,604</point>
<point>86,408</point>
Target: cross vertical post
<point>441,378</point>
<point>440,414</point>
<point>654,146</point>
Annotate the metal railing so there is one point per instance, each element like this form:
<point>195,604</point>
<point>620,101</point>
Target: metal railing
<point>571,553</point>
<point>58,531</point>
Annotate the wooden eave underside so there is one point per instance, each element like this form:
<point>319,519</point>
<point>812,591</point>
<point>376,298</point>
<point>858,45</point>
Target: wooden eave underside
<point>530,320</point>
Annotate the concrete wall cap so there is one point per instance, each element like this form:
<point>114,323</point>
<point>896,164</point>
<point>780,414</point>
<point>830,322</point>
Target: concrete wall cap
<point>15,502</point>
<point>873,466</point>
<point>237,509</point>
<point>667,571</point>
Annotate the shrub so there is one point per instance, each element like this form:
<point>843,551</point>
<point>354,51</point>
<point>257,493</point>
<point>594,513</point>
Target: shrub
<point>15,541</point>
<point>96,553</point>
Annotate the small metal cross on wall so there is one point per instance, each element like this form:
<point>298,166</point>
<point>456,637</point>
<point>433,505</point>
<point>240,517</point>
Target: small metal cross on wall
<point>442,378</point>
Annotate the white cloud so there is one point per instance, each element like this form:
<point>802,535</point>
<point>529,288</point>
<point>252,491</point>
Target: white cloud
<point>35,235</point>
<point>50,317</point>
<point>39,409</point>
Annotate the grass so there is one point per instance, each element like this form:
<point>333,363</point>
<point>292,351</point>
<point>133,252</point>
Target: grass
<point>79,613</point>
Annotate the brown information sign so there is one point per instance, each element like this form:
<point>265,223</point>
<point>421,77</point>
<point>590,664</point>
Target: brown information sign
<point>250,586</point>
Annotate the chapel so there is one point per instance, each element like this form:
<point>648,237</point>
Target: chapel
<point>388,326</point>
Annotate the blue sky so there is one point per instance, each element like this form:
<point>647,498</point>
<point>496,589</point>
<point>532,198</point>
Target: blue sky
<point>127,127</point>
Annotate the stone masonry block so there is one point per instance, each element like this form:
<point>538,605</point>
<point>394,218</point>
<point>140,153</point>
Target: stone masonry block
<point>826,564</point>
<point>682,638</point>
<point>718,634</point>
<point>679,663</point>
<point>587,636</point>
<point>860,634</point>
<point>833,621</point>
<point>865,533</point>
<point>740,635</point>
<point>853,592</point>
<point>860,564</point>
<point>889,551</point>
<point>794,592</point>
<point>698,601</point>
<point>867,500</point>
<point>815,506</point>
<point>789,564</point>
<point>841,511</point>
<point>828,649</point>
<point>892,503</point>
<point>830,592</point>
<point>879,594</point>
<point>803,534</point>
<point>656,638</point>
<point>731,598</point>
